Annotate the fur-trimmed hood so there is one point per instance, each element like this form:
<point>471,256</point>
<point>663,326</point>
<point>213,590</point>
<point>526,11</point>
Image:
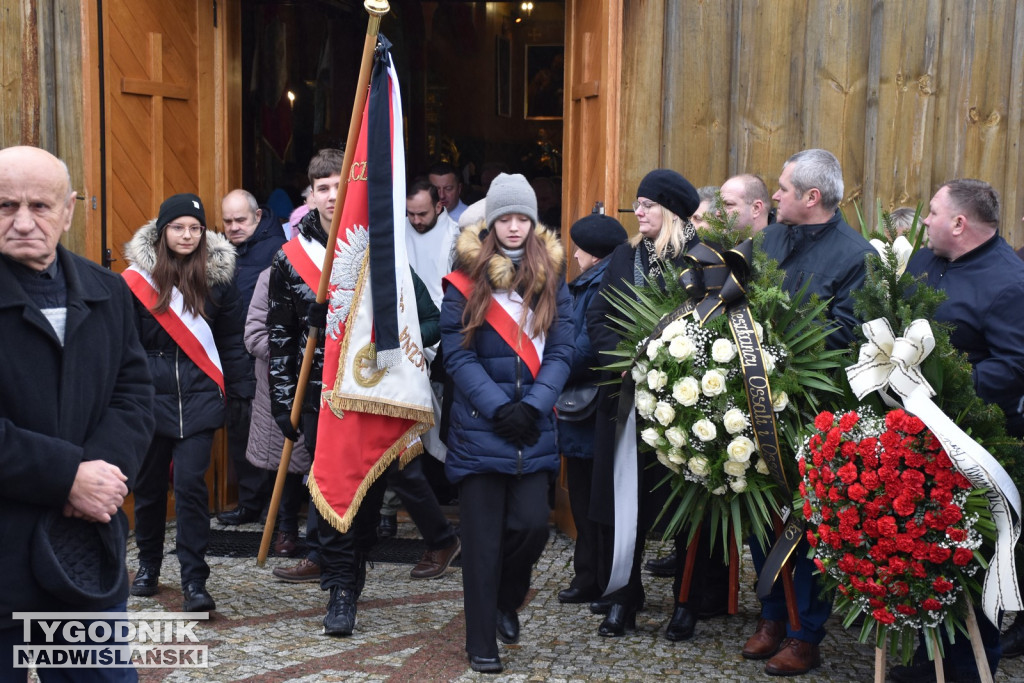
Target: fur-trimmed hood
<point>220,260</point>
<point>501,271</point>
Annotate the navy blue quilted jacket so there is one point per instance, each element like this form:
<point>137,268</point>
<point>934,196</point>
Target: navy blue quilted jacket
<point>488,374</point>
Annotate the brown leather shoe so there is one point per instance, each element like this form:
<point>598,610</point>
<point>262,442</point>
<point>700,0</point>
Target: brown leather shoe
<point>306,570</point>
<point>435,562</point>
<point>795,657</point>
<point>766,639</point>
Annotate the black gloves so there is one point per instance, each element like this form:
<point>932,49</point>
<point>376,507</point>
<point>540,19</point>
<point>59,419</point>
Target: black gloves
<point>517,424</point>
<point>316,315</point>
<point>284,422</point>
<point>239,410</point>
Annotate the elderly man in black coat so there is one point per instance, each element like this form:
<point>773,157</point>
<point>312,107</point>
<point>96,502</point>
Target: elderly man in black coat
<point>76,404</point>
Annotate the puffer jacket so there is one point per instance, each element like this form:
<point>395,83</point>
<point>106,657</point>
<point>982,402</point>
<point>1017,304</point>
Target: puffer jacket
<point>289,300</point>
<point>265,438</point>
<point>488,374</point>
<point>188,401</point>
<point>576,439</point>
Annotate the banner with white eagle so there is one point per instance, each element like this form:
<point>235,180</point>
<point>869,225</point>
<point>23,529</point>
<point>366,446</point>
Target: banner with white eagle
<point>376,397</point>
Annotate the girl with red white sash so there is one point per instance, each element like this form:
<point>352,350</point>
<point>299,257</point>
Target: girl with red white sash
<point>190,320</point>
<point>506,334</point>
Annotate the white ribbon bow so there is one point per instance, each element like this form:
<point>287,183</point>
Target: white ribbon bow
<point>890,361</point>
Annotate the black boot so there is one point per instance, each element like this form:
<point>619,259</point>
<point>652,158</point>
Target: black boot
<point>341,612</point>
<point>1012,639</point>
<point>681,626</point>
<point>621,618</point>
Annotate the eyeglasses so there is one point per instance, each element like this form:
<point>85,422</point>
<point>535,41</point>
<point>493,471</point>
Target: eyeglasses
<point>645,205</point>
<point>179,230</point>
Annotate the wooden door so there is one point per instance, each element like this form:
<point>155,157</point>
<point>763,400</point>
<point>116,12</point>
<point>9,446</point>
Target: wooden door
<point>159,110</point>
<point>160,132</point>
<point>593,56</point>
<point>593,53</point>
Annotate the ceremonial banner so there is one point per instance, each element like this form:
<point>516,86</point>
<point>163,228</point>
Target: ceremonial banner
<point>374,407</point>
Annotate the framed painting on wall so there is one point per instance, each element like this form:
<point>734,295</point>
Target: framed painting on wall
<point>545,70</point>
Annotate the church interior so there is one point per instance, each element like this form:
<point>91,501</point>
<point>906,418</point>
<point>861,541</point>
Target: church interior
<point>481,88</point>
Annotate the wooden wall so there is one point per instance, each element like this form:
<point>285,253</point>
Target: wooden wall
<point>906,93</point>
<point>41,98</point>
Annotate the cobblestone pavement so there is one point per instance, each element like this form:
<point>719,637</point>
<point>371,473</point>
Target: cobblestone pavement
<point>413,630</point>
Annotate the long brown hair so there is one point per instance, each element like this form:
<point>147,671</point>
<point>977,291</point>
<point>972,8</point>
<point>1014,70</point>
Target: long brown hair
<point>536,280</point>
<point>187,273</point>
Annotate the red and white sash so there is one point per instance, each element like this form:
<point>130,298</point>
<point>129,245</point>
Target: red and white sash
<point>307,258</point>
<point>191,332</point>
<point>503,316</point>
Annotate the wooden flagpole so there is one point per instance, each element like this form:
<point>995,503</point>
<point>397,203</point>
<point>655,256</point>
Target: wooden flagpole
<point>376,9</point>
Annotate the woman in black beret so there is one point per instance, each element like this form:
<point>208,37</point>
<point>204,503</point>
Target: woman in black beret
<point>665,201</point>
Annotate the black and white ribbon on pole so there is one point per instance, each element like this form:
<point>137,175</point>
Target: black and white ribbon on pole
<point>890,362</point>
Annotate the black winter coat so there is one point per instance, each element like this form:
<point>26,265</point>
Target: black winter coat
<point>576,439</point>
<point>255,255</point>
<point>984,290</point>
<point>188,401</point>
<point>603,337</point>
<point>830,255</point>
<point>289,299</point>
<point>90,399</point>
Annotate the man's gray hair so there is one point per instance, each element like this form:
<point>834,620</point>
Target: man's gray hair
<point>707,193</point>
<point>817,168</point>
<point>254,205</point>
<point>975,198</point>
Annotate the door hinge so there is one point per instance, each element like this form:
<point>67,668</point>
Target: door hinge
<point>215,13</point>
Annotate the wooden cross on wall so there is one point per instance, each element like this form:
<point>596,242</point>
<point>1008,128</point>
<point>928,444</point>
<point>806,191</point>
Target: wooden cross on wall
<point>155,87</point>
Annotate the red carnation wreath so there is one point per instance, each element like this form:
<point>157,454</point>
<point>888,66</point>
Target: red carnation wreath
<point>893,526</point>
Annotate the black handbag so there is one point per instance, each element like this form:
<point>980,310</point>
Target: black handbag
<point>577,403</point>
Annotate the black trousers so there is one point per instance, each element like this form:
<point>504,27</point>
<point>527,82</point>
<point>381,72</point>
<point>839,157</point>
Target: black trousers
<point>191,458</point>
<point>710,572</point>
<point>420,502</point>
<point>504,528</point>
<point>343,555</point>
<point>254,484</point>
<point>586,558</point>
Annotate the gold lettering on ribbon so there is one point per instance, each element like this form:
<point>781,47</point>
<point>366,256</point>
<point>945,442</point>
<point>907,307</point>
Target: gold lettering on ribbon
<point>411,350</point>
<point>762,421</point>
<point>759,395</point>
<point>357,172</point>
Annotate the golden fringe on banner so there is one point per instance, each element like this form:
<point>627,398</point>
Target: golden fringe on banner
<point>339,404</point>
<point>408,447</point>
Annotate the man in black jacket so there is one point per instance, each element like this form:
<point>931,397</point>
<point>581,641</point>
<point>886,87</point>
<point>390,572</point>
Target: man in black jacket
<point>812,243</point>
<point>76,411</point>
<point>984,284</point>
<point>256,234</point>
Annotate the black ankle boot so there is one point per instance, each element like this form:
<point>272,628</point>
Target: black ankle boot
<point>341,612</point>
<point>621,618</point>
<point>681,626</point>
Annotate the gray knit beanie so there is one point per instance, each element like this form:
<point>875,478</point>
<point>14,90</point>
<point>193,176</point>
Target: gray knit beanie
<point>510,194</point>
